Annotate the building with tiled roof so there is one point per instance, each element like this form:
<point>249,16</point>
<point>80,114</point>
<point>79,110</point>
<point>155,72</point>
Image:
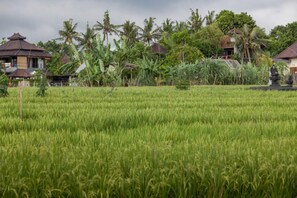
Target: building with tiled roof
<point>18,54</point>
<point>290,56</point>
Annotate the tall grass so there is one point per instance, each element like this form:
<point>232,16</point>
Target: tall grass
<point>218,141</point>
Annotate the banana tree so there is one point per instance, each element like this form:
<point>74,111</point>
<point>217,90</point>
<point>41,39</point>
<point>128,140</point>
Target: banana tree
<point>96,61</point>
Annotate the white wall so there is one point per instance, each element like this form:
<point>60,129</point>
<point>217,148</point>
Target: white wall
<point>293,62</point>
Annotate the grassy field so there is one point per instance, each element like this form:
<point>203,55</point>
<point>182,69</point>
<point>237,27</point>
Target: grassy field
<point>210,141</point>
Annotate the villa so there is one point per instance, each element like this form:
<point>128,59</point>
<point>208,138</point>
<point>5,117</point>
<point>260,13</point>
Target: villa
<point>289,55</point>
<point>19,59</point>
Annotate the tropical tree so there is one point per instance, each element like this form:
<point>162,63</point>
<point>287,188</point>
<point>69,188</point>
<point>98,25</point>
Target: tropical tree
<point>248,42</point>
<point>51,46</point>
<point>149,71</point>
<point>225,20</point>
<point>106,27</point>
<point>282,37</point>
<point>85,41</point>
<point>195,21</point>
<point>3,41</point>
<point>208,40</point>
<point>129,32</point>
<point>182,53</point>
<point>98,64</point>
<point>124,53</point>
<point>57,51</point>
<point>149,33</point>
<point>228,20</point>
<point>180,26</point>
<point>181,49</point>
<point>243,19</point>
<point>210,17</point>
<point>167,27</point>
<point>69,33</point>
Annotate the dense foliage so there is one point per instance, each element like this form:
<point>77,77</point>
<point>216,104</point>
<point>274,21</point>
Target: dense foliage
<point>218,72</point>
<point>178,42</point>
<point>218,141</point>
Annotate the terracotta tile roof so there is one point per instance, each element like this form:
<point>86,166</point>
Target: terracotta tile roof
<point>290,52</point>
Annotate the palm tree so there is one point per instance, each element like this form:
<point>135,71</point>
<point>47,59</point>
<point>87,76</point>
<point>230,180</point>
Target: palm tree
<point>180,26</point>
<point>210,17</point>
<point>148,33</point>
<point>248,42</point>
<point>106,27</point>
<point>68,34</point>
<point>86,39</point>
<point>195,21</point>
<point>130,32</point>
<point>167,26</point>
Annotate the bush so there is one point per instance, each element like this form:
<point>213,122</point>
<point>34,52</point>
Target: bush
<point>215,72</point>
<point>41,83</point>
<point>206,72</point>
<point>3,85</point>
<point>249,74</point>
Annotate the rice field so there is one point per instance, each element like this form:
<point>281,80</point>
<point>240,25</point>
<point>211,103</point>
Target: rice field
<point>209,141</point>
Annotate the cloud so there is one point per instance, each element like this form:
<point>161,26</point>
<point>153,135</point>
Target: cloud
<point>42,19</point>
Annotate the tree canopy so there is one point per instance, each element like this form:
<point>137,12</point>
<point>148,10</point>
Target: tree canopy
<point>131,53</point>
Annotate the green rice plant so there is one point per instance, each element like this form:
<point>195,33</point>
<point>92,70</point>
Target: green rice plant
<point>210,141</point>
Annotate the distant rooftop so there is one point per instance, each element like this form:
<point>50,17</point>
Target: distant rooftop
<point>290,52</point>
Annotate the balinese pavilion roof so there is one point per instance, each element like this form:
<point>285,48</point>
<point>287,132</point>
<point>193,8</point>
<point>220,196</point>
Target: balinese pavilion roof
<point>290,52</point>
<point>20,73</point>
<point>17,46</point>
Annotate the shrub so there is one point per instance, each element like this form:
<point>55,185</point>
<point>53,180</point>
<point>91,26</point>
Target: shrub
<point>3,85</point>
<point>41,83</point>
<point>250,74</point>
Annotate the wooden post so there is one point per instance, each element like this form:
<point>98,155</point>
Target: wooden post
<point>20,85</point>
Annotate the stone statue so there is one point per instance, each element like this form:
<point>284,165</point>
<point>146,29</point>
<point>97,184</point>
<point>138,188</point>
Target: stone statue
<point>290,81</point>
<point>274,76</point>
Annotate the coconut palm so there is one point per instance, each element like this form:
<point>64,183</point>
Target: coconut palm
<point>148,33</point>
<point>86,39</point>
<point>167,26</point>
<point>249,42</point>
<point>129,32</point>
<point>180,26</point>
<point>210,17</point>
<point>106,27</point>
<point>195,21</point>
<point>69,33</point>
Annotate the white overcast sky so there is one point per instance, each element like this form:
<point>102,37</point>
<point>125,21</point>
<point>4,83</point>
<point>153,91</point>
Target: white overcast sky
<point>40,20</point>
